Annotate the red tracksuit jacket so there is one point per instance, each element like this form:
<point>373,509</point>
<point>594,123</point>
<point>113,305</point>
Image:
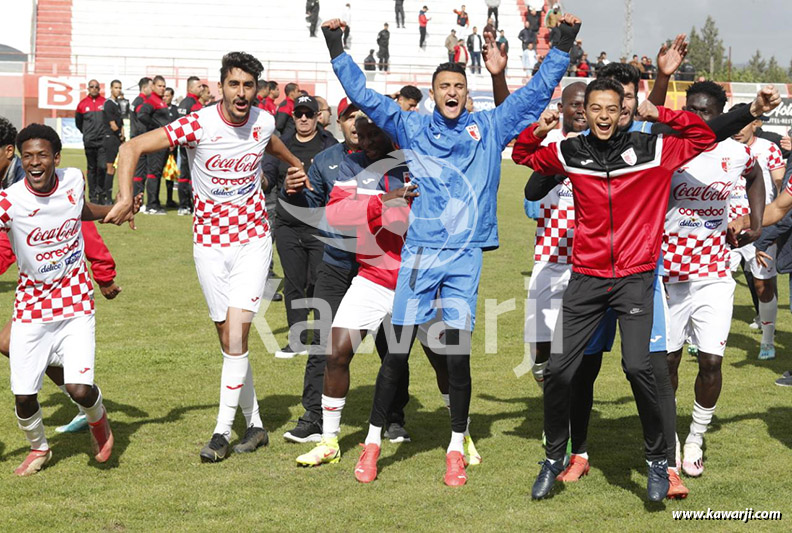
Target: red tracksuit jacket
<point>620,189</point>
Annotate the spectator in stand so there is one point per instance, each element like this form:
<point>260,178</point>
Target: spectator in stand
<point>383,41</point>
<point>575,53</point>
<point>370,63</point>
<point>503,43</point>
<point>687,72</point>
<point>399,13</point>
<point>529,59</point>
<point>583,67</point>
<point>423,20</point>
<point>136,127</point>
<point>637,64</point>
<point>89,119</point>
<point>492,10</point>
<point>475,45</point>
<point>552,21</point>
<point>527,36</point>
<point>207,98</point>
<point>299,250</point>
<point>123,104</point>
<point>450,44</point>
<point>463,21</point>
<point>113,137</point>
<point>190,104</point>
<point>461,54</point>
<point>534,19</point>
<point>272,95</point>
<point>325,113</point>
<point>154,114</point>
<point>538,65</point>
<point>602,61</point>
<point>284,123</point>
<point>312,15</point>
<point>262,91</point>
<point>650,71</point>
<point>347,18</point>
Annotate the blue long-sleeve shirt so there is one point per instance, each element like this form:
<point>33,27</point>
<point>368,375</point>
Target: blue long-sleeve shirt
<point>455,163</point>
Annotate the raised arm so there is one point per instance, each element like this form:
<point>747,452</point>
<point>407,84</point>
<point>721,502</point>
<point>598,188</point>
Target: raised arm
<point>669,58</point>
<point>495,59</point>
<point>385,112</point>
<point>526,104</point>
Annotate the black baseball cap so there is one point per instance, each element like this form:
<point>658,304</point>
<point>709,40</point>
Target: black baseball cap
<point>308,102</point>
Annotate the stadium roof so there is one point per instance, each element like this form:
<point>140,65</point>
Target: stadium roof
<point>9,53</point>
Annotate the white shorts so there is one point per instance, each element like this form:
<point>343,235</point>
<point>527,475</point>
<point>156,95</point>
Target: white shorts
<point>702,311</point>
<point>233,276</point>
<point>545,296</point>
<point>365,306</point>
<point>748,252</point>
<point>68,343</point>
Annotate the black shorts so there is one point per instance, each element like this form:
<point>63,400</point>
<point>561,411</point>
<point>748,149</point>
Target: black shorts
<point>111,144</point>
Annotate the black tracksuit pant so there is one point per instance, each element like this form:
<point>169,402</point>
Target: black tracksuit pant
<point>585,302</point>
<point>300,255</point>
<point>332,284</point>
<point>156,164</point>
<point>96,167</point>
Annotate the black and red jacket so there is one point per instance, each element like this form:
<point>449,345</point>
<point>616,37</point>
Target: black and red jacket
<point>190,104</point>
<point>89,119</point>
<point>136,127</point>
<point>621,189</point>
<point>154,113</point>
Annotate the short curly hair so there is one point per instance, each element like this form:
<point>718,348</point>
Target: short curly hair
<point>8,132</point>
<point>39,131</point>
<point>242,61</point>
<point>709,88</point>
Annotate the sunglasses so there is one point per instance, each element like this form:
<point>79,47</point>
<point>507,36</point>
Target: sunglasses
<point>93,86</point>
<point>306,114</point>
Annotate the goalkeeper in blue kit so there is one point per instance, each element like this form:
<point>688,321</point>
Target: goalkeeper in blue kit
<point>454,158</point>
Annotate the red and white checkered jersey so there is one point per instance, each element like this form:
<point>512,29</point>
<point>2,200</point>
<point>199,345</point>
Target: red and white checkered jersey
<point>225,167</point>
<point>45,231</point>
<point>556,224</point>
<point>769,157</point>
<point>694,240</point>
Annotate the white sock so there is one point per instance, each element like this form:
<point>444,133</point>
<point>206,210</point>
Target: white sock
<point>457,443</point>
<point>678,451</point>
<point>702,416</point>
<point>374,435</point>
<point>33,428</point>
<point>232,380</point>
<point>94,413</point>
<point>768,312</point>
<point>331,416</point>
<point>538,373</point>
<point>248,402</point>
<point>80,407</point>
<point>584,455</point>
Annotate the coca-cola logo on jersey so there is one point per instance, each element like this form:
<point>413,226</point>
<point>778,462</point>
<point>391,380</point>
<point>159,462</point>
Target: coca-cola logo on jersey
<point>67,230</point>
<point>717,191</point>
<point>246,163</point>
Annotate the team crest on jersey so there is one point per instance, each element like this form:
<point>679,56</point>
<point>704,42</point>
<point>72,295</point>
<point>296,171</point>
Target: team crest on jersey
<point>406,177</point>
<point>256,133</point>
<point>473,131</point>
<point>726,164</point>
<point>70,196</point>
<point>629,157</point>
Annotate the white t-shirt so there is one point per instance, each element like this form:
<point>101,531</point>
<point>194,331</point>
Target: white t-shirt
<point>45,231</point>
<point>694,240</point>
<point>225,167</point>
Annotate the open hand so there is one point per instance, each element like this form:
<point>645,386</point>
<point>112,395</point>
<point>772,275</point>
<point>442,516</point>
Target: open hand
<point>669,58</point>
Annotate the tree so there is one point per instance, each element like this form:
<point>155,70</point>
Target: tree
<point>774,72</point>
<point>757,65</point>
<point>706,50</point>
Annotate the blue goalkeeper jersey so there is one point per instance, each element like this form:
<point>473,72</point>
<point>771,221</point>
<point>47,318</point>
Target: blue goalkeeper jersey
<point>455,163</point>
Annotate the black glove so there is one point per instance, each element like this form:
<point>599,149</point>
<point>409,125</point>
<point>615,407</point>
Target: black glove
<point>568,34</point>
<point>334,41</point>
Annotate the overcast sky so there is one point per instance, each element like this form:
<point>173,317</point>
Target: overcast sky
<point>745,25</point>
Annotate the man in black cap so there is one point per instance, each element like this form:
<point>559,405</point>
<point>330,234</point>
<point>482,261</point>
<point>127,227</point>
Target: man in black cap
<point>299,250</point>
